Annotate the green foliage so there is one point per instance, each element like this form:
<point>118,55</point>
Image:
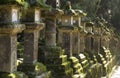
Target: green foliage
<point>108,9</point>
<point>11,1</point>
<point>12,75</point>
<point>33,70</point>
<point>20,50</point>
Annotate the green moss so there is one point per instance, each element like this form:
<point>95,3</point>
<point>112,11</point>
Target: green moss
<point>90,24</point>
<point>32,69</point>
<point>74,60</point>
<point>48,74</point>
<point>13,75</point>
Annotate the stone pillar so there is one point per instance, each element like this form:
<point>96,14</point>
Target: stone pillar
<point>9,28</point>
<point>88,38</point>
<point>75,44</point>
<point>66,41</point>
<point>50,32</point>
<point>82,41</point>
<point>8,55</point>
<point>97,38</point>
<point>83,33</point>
<point>105,41</point>
<point>88,44</point>
<point>31,36</point>
<point>8,48</point>
<point>96,44</point>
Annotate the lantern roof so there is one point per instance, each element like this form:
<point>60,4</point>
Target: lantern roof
<point>68,9</point>
<point>98,22</point>
<point>89,24</point>
<point>70,12</point>
<point>80,12</point>
<point>84,19</point>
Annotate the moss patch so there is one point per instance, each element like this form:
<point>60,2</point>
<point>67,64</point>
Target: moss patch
<point>13,75</point>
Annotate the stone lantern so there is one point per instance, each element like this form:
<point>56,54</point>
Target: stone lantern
<point>67,28</point>
<point>97,35</point>
<point>31,36</point>
<point>89,39</point>
<point>9,27</point>
<point>31,33</point>
<point>83,32</point>
<point>52,53</point>
<point>105,38</point>
<point>76,34</point>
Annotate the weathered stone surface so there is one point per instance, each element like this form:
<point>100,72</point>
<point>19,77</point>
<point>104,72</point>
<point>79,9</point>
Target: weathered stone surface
<point>9,13</point>
<point>50,32</point>
<point>88,44</point>
<point>96,45</point>
<point>8,55</point>
<point>82,43</point>
<point>8,46</point>
<point>67,43</point>
<point>31,36</point>
<point>75,44</point>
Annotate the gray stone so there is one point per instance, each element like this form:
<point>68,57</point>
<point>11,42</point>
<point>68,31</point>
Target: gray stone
<point>50,32</point>
<point>31,35</point>
<point>31,47</point>
<point>8,55</point>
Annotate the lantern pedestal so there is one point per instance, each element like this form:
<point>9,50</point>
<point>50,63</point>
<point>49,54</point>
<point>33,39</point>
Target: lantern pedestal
<point>8,55</point>
<point>30,65</point>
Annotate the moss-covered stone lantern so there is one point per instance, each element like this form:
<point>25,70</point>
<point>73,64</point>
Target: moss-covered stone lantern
<point>88,38</point>
<point>31,33</point>
<point>83,33</point>
<point>76,34</point>
<point>53,54</point>
<point>67,28</point>
<point>32,21</point>
<point>97,35</point>
<point>105,37</point>
<point>9,27</point>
